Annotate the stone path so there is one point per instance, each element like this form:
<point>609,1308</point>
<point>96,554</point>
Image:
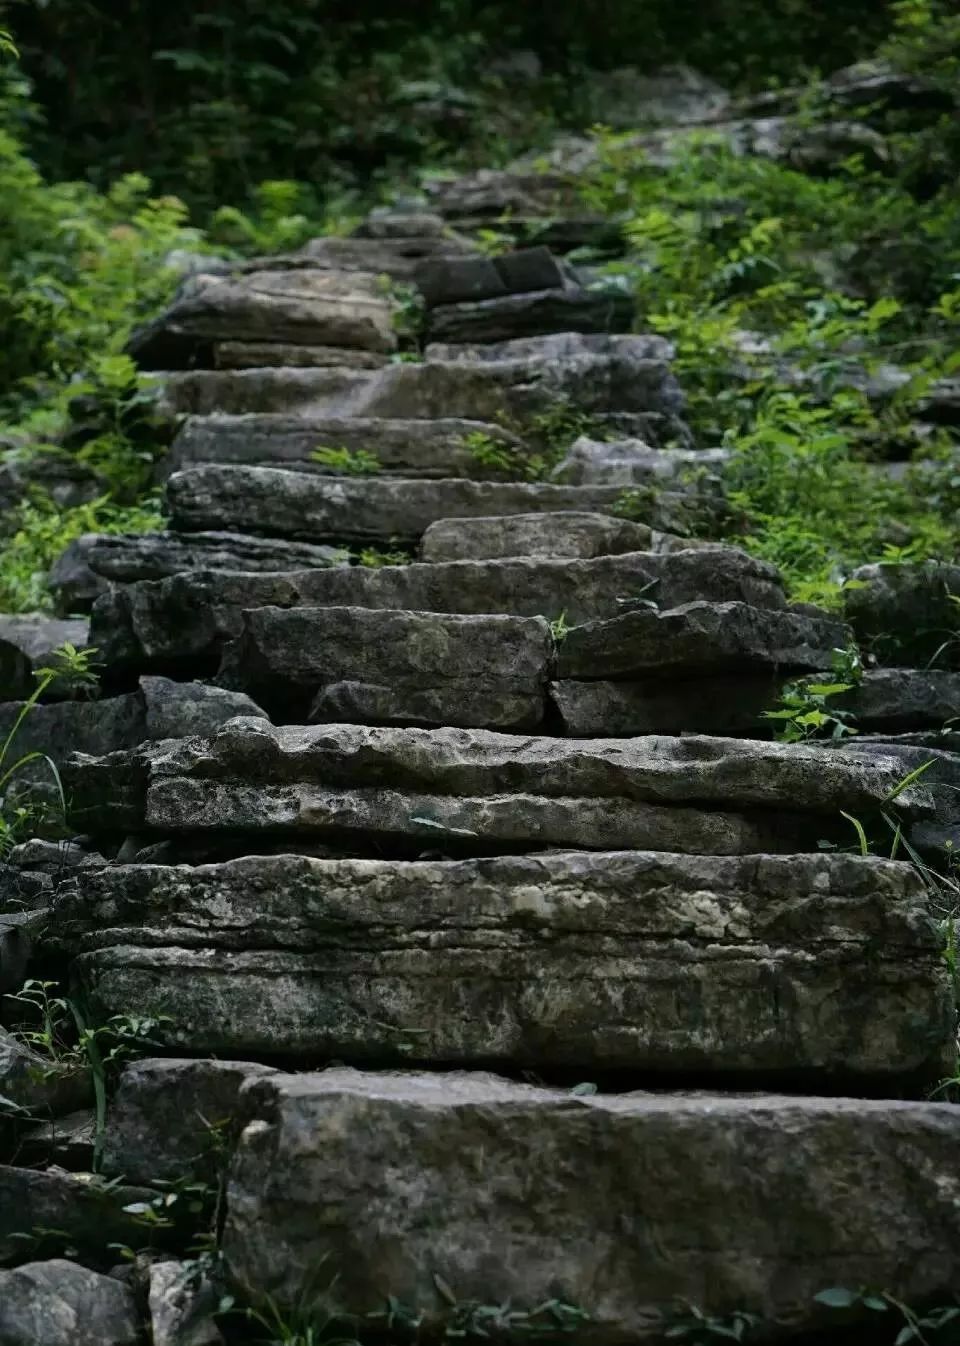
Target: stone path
<point>505,802</point>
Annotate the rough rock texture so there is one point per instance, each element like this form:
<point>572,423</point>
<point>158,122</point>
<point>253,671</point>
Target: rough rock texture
<point>631,462</point>
<point>308,307</point>
<point>37,1085</point>
<point>83,1210</point>
<point>492,789</point>
<point>68,1142</point>
<point>160,709</point>
<point>27,643</point>
<point>182,1302</point>
<point>895,699</point>
<point>725,705</point>
<point>456,280</point>
<point>409,448</point>
<point>370,665</point>
<point>183,621</point>
<point>588,1199</point>
<point>571,308</point>
<point>399,258</point>
<point>257,354</point>
<point>320,509</point>
<point>59,1303</point>
<point>905,611</point>
<point>566,534</point>
<point>94,561</point>
<point>614,961</point>
<point>701,638</point>
<point>159,1120</point>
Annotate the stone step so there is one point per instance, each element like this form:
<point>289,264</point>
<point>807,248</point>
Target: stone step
<point>182,622</point>
<point>592,374</point>
<point>288,354</point>
<point>448,1192</point>
<point>439,448</point>
<point>382,666</point>
<point>699,637</point>
<point>457,280</point>
<point>356,785</point>
<point>656,964</point>
<point>398,258</point>
<point>566,534</point>
<point>632,462</point>
<point>94,561</point>
<point>301,505</point>
<point>571,308</point>
<point>306,307</point>
<point>906,612</point>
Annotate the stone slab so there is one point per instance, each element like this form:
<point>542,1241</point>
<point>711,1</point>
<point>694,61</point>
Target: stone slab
<point>27,643</point>
<point>569,534</point>
<point>572,308</point>
<point>905,613</point>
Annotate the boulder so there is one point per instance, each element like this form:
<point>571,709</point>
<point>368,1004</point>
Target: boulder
<point>571,534</point>
<point>665,964</point>
<point>27,643</point>
<point>309,307</point>
<point>699,638</point>
<point>171,1118</point>
<point>59,1303</point>
<point>408,448</point>
<point>377,665</point>
<point>576,1211</point>
<point>182,622</point>
<point>301,505</point>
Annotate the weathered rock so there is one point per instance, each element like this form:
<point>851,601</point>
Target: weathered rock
<point>183,621</point>
<point>369,665</point>
<point>27,643</point>
<point>905,612</point>
<point>309,307</point>
<point>597,373</point>
<point>167,1116</point>
<point>94,561</point>
<point>80,1209</point>
<point>895,699</point>
<point>160,709</point>
<point>403,222</point>
<point>182,1301</point>
<point>699,638</point>
<point>59,475</point>
<point>793,1195</point>
<point>438,448</point>
<point>34,1086</point>
<point>674,95</point>
<point>570,309</point>
<point>59,1303</point>
<point>258,354</point>
<point>564,535</point>
<point>311,507</point>
<point>725,705</point>
<point>23,899</point>
<point>455,280</point>
<point>630,462</point>
<point>68,1142</point>
<point>618,961</point>
<point>491,790</point>
<point>398,258</point>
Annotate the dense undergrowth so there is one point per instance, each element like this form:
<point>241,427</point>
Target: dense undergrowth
<point>788,294</point>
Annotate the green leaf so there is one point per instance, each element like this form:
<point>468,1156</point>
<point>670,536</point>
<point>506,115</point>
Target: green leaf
<point>837,1298</point>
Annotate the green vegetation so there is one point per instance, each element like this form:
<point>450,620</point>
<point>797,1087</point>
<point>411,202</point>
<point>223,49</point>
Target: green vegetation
<point>347,462</point>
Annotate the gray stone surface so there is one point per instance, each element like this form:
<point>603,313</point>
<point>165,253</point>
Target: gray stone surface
<point>94,561</point>
<point>370,665</point>
<point>210,392</point>
<point>631,462</point>
<point>182,1301</point>
<point>67,1141</point>
<point>672,964</point>
<point>571,534</point>
<point>271,354</point>
<point>167,1115</point>
<point>731,704</point>
<point>896,699</point>
<point>905,611</point>
<point>308,306</point>
<point>699,638</point>
<point>399,258</point>
<point>27,642</point>
<point>572,308</point>
<point>310,507</point>
<point>83,1211</point>
<point>409,448</point>
<point>59,1303</point>
<point>36,1086</point>
<point>512,1194</point>
<point>456,280</point>
<point>490,789</point>
<point>184,620</point>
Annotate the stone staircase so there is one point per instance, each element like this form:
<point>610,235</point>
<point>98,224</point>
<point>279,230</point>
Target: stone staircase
<point>356,836</point>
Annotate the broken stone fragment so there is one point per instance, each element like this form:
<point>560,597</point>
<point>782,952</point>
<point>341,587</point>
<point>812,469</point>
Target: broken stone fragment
<point>59,1303</point>
<point>27,643</point>
<point>386,666</point>
<point>647,962</point>
<point>584,1201</point>
<point>182,1301</point>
